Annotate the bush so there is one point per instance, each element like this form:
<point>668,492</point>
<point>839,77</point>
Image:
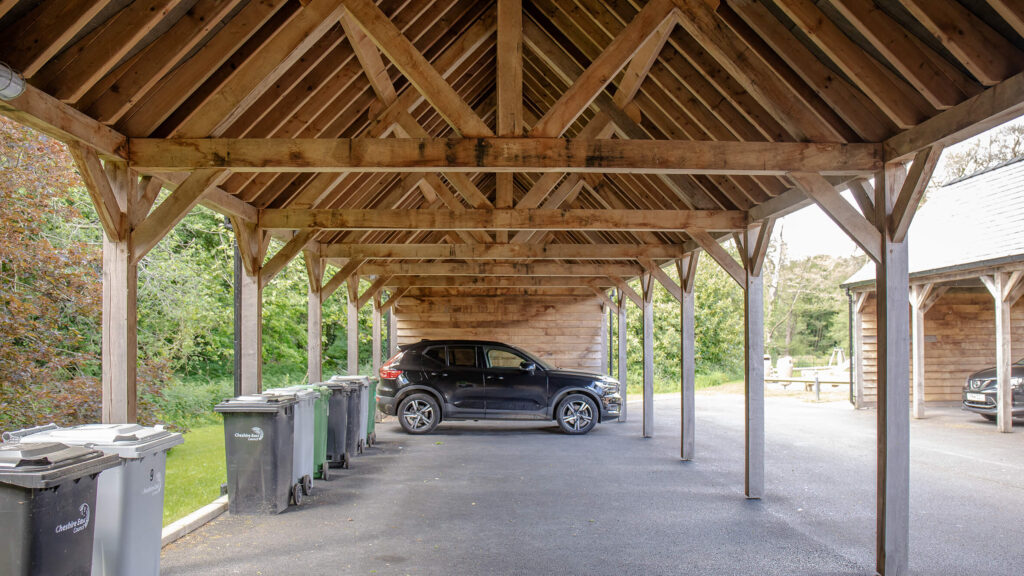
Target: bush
<point>183,404</point>
<point>713,379</point>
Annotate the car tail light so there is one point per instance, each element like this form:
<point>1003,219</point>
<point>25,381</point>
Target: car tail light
<point>388,370</point>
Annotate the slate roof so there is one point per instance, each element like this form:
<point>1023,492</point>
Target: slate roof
<point>973,222</point>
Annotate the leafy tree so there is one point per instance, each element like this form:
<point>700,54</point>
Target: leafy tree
<point>980,153</point>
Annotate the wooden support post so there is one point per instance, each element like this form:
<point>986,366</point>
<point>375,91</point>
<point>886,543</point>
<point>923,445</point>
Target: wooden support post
<point>687,268</point>
<point>858,348</point>
<point>252,246</point>
<point>1002,286</point>
<point>622,349</point>
<point>314,318</point>
<point>892,276</point>
<point>647,285</point>
<point>375,363</point>
<point>352,323</point>
<point>119,338</point>
<point>608,367</point>
<point>752,251</point>
<point>392,333</point>
<point>604,338</point>
<point>918,297</point>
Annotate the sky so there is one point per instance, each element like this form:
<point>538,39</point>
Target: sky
<point>809,232</point>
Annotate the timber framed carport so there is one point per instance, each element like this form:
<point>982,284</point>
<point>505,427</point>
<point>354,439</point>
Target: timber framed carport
<point>424,134</point>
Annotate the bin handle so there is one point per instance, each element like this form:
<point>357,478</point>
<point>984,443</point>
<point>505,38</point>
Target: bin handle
<point>19,434</point>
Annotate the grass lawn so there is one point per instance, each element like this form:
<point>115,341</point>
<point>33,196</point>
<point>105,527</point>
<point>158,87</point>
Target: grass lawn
<point>195,471</point>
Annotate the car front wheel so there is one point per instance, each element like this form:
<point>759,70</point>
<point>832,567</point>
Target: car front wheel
<point>577,414</point>
<point>419,414</point>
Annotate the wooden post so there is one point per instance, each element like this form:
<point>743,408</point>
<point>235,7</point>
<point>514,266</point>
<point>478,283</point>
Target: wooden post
<point>754,248</point>
<point>119,338</point>
<point>252,332</point>
<point>376,335</point>
<point>352,323</point>
<point>1003,287</point>
<point>392,333</point>
<point>314,318</point>
<point>687,272</point>
<point>858,349</point>
<point>647,285</point>
<point>918,308</point>
<point>892,277</point>
<point>623,348</point>
<point>604,339</point>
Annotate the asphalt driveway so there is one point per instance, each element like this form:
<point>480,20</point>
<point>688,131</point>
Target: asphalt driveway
<point>521,498</point>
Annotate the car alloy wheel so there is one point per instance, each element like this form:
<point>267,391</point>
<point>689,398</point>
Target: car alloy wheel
<point>577,414</point>
<point>419,414</point>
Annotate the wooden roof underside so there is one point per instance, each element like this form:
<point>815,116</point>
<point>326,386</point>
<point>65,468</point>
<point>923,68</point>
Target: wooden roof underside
<point>774,71</point>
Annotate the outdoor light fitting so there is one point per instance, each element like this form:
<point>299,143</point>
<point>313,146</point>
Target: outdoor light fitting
<point>12,84</point>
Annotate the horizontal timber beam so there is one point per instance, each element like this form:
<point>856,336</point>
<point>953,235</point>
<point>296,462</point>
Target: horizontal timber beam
<point>502,155</point>
<point>498,282</point>
<point>509,219</point>
<point>498,269</point>
<point>505,251</point>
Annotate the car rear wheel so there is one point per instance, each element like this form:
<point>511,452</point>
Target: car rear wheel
<point>577,414</point>
<point>419,414</point>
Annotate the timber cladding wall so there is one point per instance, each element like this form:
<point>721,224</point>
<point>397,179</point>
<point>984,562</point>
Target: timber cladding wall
<point>562,330</point>
<point>960,338</point>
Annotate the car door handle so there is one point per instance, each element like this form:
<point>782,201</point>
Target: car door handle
<point>495,377</point>
<point>464,385</point>
<point>442,374</point>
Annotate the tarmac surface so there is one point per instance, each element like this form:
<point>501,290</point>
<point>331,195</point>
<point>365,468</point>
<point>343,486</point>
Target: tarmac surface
<point>521,498</point>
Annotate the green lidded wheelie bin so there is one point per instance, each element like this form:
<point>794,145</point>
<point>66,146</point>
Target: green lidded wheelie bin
<point>321,414</point>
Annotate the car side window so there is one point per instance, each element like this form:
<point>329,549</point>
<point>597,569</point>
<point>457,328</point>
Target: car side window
<point>462,356</point>
<point>435,355</point>
<point>499,358</point>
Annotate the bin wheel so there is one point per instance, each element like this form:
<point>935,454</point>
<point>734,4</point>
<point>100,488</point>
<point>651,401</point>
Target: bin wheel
<point>359,446</point>
<point>307,485</point>
<point>297,494</point>
<point>325,475</point>
<point>345,460</point>
<point>373,438</point>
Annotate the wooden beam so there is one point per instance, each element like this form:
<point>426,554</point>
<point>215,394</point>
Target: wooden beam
<point>498,281</point>
<point>289,251</point>
<point>509,114</point>
<point>994,106</point>
<point>373,291</point>
<point>687,268</point>
<point>603,69</point>
<point>110,210</point>
<point>863,193</point>
<point>719,255</point>
<point>537,219</point>
<point>393,298</point>
<point>167,215</point>
<point>604,296</point>
<point>502,154</point>
<point>857,227</point>
<point>417,69</point>
<point>45,31</point>
<point>339,277</point>
<point>369,58</point>
<point>662,278</point>
<point>625,288</point>
<point>39,110</point>
<point>918,177</point>
<point>505,251</point>
<point>497,269</point>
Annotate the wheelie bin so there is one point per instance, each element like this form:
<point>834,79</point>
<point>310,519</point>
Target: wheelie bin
<point>371,417</point>
<point>48,507</point>
<point>338,454</point>
<point>302,462</point>
<point>360,385</point>
<point>321,412</point>
<point>259,440</point>
<point>130,497</point>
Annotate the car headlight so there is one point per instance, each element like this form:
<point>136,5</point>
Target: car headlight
<point>1017,383</point>
<point>609,386</point>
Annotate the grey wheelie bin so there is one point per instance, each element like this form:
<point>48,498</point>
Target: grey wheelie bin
<point>338,454</point>
<point>130,497</point>
<point>259,440</point>
<point>302,462</point>
<point>48,507</point>
<point>361,385</point>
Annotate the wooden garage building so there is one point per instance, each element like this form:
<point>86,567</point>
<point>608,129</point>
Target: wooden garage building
<point>537,152</point>
<point>969,232</point>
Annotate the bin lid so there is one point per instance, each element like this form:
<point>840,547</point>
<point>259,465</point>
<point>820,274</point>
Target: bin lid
<point>347,380</point>
<point>256,403</point>
<point>293,391</point>
<point>124,440</point>
<point>48,464</point>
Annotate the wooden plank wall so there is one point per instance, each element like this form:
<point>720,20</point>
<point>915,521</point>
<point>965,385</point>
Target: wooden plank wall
<point>960,338</point>
<point>564,330</point>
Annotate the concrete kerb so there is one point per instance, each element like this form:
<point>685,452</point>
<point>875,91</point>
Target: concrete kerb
<point>193,521</point>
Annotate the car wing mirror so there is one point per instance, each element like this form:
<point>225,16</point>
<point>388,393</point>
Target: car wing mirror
<point>528,367</point>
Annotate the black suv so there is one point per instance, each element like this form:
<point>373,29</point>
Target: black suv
<point>979,394</point>
<point>472,380</point>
